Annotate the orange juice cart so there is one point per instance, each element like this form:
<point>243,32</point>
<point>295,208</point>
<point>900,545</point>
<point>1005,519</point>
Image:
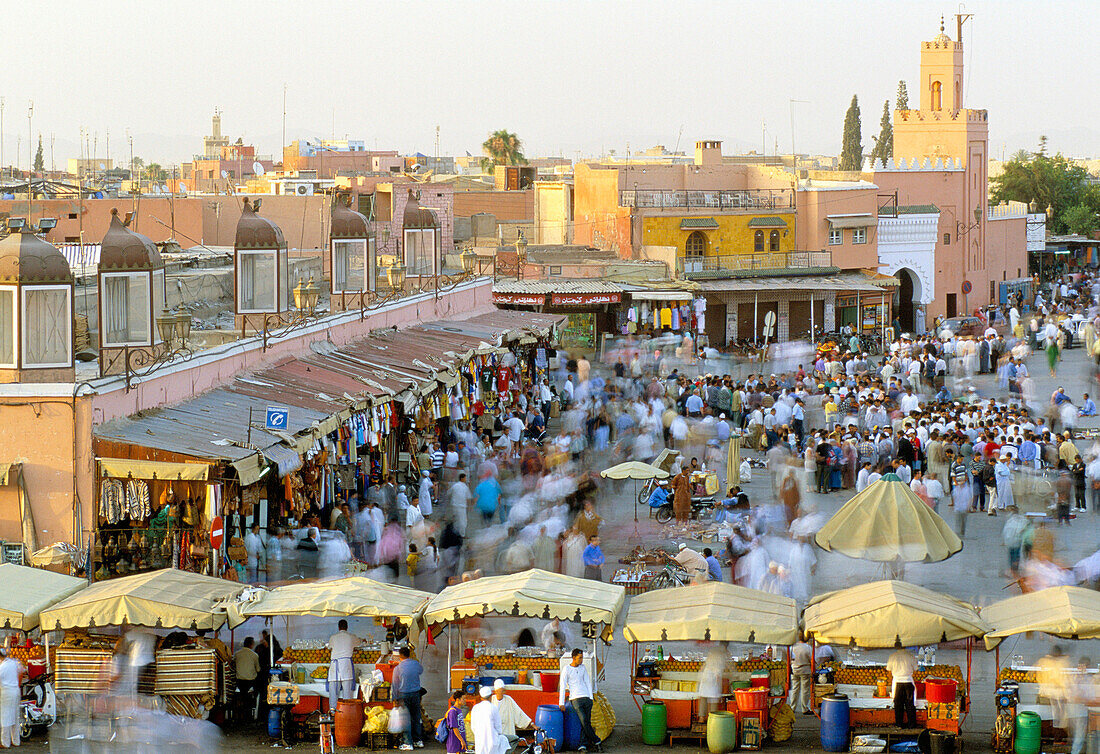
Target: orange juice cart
<point>889,615</point>
<point>706,614</point>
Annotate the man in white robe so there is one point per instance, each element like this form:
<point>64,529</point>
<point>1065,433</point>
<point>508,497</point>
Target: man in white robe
<point>486,726</point>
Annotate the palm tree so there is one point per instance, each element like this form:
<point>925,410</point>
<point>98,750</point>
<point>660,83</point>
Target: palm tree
<point>502,148</point>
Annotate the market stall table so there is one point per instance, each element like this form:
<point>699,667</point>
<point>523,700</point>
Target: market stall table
<point>1067,612</point>
<point>710,612</point>
<point>530,594</point>
<point>888,614</point>
<point>192,677</point>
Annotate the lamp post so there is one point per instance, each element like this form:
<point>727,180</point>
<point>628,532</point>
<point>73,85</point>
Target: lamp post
<point>395,275</point>
<point>521,254</point>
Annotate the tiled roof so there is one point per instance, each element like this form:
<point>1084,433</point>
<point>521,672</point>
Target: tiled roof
<point>698,222</point>
<point>767,222</point>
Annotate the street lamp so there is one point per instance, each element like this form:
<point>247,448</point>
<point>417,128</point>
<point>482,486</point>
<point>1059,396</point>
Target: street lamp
<point>469,261</point>
<point>395,274</point>
<point>166,326</point>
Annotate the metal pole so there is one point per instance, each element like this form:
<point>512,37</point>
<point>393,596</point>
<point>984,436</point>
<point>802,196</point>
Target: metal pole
<point>813,325</point>
<point>755,323</point>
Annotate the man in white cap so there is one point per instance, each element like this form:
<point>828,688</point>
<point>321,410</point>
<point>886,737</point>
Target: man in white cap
<point>692,562</point>
<point>11,676</point>
<point>486,726</point>
<point>511,716</point>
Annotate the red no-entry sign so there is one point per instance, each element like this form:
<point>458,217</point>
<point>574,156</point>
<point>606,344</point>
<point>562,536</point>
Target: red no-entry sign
<point>217,532</point>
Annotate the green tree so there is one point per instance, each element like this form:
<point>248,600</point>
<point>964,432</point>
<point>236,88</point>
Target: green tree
<point>851,150</point>
<point>155,172</point>
<point>1080,219</point>
<point>903,96</point>
<point>884,142</point>
<point>502,148</point>
<point>1049,181</point>
<point>39,160</point>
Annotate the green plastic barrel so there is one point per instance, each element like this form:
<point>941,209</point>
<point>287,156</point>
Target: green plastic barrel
<point>1028,731</point>
<point>654,723</point>
<point>721,732</point>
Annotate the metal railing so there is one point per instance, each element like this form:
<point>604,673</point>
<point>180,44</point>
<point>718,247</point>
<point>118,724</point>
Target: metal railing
<point>754,261</point>
<point>746,199</point>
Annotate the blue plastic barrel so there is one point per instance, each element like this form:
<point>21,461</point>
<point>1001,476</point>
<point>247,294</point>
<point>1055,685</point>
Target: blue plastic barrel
<point>275,722</point>
<point>574,734</point>
<point>550,719</point>
<point>835,722</point>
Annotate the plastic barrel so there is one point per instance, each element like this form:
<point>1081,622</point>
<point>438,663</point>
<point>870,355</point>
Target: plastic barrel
<point>275,722</point>
<point>550,719</point>
<point>348,728</point>
<point>1028,729</point>
<point>654,723</point>
<point>835,722</point>
<point>940,689</point>
<point>574,733</point>
<point>721,732</point>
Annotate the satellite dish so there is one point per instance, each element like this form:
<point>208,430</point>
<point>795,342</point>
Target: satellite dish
<point>164,187</point>
<point>225,174</point>
<point>183,187</point>
<point>257,168</point>
<point>102,166</point>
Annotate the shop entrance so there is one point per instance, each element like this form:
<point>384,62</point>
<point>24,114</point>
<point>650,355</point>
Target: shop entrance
<point>909,295</point>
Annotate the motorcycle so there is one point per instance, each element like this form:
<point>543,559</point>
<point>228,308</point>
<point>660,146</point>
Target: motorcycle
<point>38,706</point>
<point>701,510</point>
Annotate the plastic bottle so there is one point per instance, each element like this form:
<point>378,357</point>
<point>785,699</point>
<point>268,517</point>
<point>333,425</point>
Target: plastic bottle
<point>660,652</point>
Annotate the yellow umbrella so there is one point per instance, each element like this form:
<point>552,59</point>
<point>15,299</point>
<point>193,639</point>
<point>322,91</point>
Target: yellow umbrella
<point>1068,612</point>
<point>888,523</point>
<point>884,612</point>
<point>634,470</point>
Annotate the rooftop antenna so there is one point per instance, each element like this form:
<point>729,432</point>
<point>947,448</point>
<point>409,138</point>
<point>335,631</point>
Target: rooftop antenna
<point>676,148</point>
<point>960,19</point>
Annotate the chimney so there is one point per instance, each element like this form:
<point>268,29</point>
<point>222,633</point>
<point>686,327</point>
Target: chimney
<point>708,153</point>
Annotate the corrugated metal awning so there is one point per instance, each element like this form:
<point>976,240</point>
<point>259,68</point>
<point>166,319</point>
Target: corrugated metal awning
<point>851,221</point>
<point>662,295</point>
<point>287,459</point>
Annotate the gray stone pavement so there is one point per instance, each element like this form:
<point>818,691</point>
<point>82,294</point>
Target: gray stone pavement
<point>976,574</point>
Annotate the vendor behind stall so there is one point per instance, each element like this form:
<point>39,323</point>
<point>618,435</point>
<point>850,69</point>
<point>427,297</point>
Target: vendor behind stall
<point>901,666</point>
<point>341,670</point>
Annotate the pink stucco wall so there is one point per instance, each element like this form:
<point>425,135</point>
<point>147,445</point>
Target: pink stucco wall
<point>39,428</point>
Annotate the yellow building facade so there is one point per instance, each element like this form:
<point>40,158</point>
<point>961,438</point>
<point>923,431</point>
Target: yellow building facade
<point>721,235</point>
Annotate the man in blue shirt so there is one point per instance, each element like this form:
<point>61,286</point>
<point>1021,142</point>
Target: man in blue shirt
<point>714,568</point>
<point>487,494</point>
<point>1088,408</point>
<point>798,419</point>
<point>406,689</point>
<point>593,559</point>
<point>659,496</point>
<point>694,404</point>
<point>1028,451</point>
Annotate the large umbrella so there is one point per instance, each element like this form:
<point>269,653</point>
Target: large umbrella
<point>634,470</point>
<point>888,523</point>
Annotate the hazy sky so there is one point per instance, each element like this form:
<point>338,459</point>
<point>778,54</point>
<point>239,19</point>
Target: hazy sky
<point>575,77</point>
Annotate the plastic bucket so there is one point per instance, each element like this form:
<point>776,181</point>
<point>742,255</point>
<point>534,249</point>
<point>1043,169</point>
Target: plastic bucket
<point>654,723</point>
<point>549,681</point>
<point>836,722</point>
<point>721,732</point>
<point>751,699</point>
<point>940,690</point>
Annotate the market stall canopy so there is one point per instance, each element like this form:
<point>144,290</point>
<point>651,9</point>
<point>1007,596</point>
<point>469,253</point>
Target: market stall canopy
<point>881,613</point>
<point>887,522</point>
<point>59,553</point>
<point>28,591</point>
<point>167,598</point>
<point>634,470</point>
<point>713,611</point>
<point>355,596</point>
<point>1068,612</point>
<point>532,594</point>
